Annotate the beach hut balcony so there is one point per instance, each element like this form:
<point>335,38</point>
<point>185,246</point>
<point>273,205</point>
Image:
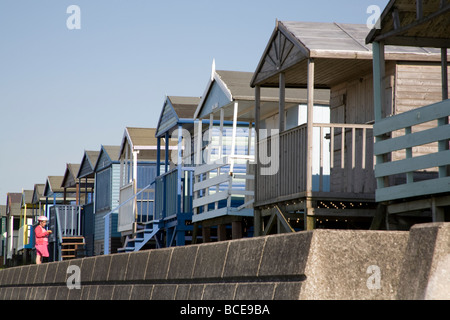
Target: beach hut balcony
<point>224,187</point>
<point>174,193</point>
<point>403,169</point>
<point>137,206</point>
<point>341,166</point>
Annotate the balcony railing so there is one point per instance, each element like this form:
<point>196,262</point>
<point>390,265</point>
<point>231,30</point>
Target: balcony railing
<point>218,193</point>
<point>412,153</point>
<point>139,209</point>
<point>174,193</point>
<point>24,240</point>
<point>342,162</point>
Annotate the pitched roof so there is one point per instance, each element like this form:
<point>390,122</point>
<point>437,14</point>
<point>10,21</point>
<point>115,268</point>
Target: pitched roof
<point>87,164</point>
<point>235,85</point>
<point>112,151</point>
<point>184,106</point>
<point>339,50</point>
<point>404,23</point>
<point>139,137</point>
<point>174,109</point>
<point>27,197</point>
<point>38,193</point>
<point>70,175</point>
<point>107,155</point>
<point>53,185</point>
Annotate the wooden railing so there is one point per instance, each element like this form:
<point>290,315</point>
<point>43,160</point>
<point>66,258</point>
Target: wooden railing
<point>140,209</point>
<point>24,240</point>
<point>174,193</point>
<point>420,139</point>
<point>218,191</point>
<point>342,161</point>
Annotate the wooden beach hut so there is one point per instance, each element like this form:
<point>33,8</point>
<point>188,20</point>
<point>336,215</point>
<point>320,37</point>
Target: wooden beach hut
<point>224,180</point>
<point>72,215</point>
<point>13,210</point>
<point>86,179</point>
<point>25,241</point>
<point>2,233</point>
<point>174,176</point>
<point>172,206</point>
<point>106,200</point>
<point>411,146</point>
<point>137,158</point>
<point>333,56</point>
<point>38,201</point>
<point>64,219</point>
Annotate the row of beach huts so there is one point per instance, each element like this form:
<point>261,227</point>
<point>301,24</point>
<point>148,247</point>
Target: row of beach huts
<point>340,126</point>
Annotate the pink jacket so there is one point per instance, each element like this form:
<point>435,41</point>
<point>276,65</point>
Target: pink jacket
<point>41,235</point>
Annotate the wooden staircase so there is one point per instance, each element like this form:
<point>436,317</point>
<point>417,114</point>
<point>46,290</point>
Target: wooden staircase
<point>72,247</point>
<point>145,233</point>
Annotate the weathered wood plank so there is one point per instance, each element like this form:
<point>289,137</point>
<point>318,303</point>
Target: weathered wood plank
<point>420,188</point>
<point>211,182</point>
<point>412,140</point>
<point>414,117</point>
<point>210,199</point>
<point>413,164</point>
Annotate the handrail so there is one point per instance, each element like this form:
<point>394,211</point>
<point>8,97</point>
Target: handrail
<point>107,215</point>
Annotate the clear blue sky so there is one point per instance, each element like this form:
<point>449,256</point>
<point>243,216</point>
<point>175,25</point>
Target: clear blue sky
<point>66,91</point>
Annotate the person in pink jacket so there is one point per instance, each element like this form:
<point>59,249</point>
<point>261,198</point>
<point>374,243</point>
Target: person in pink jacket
<point>41,241</point>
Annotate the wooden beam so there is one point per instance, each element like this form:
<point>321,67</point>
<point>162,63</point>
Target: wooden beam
<point>444,68</point>
<point>282,97</point>
<point>310,121</point>
<point>421,20</point>
<point>396,19</point>
<point>283,220</point>
<point>419,9</point>
<point>270,224</point>
<point>378,93</point>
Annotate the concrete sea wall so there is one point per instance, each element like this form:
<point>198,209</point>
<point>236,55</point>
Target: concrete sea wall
<point>319,264</point>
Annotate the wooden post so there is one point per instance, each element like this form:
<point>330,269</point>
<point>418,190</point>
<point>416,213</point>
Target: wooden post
<point>257,222</point>
<point>378,76</point>
<point>158,157</point>
<point>206,234</point>
<point>199,143</point>
<point>419,9</point>
<point>310,121</point>
<point>222,116</point>
<point>236,229</point>
<point>444,67</point>
<point>222,232</point>
<point>443,145</point>
<point>378,93</point>
<point>308,220</point>
<point>166,152</point>
<point>233,141</point>
<point>282,88</point>
<point>179,167</point>
<point>437,213</point>
<point>257,217</point>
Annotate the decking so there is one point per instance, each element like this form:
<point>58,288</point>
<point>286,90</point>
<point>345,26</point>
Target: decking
<point>416,182</point>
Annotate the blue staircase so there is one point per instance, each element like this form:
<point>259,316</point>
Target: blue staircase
<point>141,237</point>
